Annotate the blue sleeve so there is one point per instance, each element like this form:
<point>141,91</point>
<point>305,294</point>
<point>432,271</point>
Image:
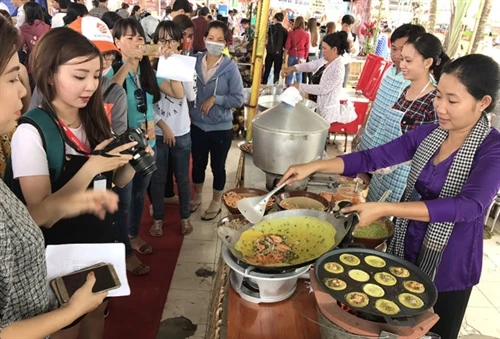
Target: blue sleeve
<point>235,96</point>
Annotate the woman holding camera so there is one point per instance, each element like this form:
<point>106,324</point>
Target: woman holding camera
<point>135,73</point>
<point>59,147</point>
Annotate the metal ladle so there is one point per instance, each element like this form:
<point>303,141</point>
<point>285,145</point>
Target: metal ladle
<point>253,208</point>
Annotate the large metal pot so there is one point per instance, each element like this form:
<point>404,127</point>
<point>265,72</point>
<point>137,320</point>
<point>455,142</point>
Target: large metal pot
<point>269,101</point>
<point>285,135</point>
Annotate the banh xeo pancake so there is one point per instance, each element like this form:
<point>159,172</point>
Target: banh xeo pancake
<point>410,301</point>
<point>357,299</point>
<point>349,259</point>
<point>414,286</point>
<point>385,279</point>
<point>376,230</point>
<point>334,267</point>
<point>292,203</point>
<point>373,290</point>
<point>374,261</point>
<point>335,284</point>
<point>359,275</point>
<point>400,272</point>
<point>387,307</point>
<point>286,241</point>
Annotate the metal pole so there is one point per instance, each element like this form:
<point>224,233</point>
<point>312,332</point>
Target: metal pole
<point>259,61</point>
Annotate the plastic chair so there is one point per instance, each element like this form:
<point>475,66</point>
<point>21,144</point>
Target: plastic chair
<point>352,127</point>
<point>371,64</point>
<point>371,89</point>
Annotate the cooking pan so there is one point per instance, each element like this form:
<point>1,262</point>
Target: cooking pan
<point>305,194</point>
<point>340,225</point>
<point>429,296</point>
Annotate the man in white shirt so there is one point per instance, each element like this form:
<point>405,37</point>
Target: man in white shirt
<point>21,16</point>
<point>347,22</point>
<point>61,6</point>
<point>149,24</point>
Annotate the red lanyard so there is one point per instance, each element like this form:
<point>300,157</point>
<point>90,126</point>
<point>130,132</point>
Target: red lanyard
<point>72,137</point>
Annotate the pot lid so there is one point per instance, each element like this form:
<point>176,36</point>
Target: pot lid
<point>290,119</point>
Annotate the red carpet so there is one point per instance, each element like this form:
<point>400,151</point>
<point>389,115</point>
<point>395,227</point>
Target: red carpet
<point>138,315</point>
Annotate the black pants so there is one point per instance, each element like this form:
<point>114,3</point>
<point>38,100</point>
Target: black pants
<point>217,145</point>
<point>450,307</point>
<point>277,60</point>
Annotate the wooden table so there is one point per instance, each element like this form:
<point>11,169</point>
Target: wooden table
<point>272,321</point>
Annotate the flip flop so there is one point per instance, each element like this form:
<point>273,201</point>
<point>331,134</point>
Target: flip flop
<point>204,216</point>
<point>194,206</point>
<point>144,249</point>
<point>142,269</point>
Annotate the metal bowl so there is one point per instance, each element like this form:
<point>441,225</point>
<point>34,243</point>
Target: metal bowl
<point>230,217</point>
<point>245,193</point>
<point>314,196</point>
<point>373,243</point>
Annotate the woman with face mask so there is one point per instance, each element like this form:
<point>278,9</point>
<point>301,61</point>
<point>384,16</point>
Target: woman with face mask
<point>220,89</point>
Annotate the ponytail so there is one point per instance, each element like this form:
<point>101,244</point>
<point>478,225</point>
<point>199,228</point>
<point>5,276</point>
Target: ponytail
<point>438,65</point>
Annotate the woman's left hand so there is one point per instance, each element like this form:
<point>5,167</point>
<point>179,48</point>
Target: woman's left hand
<point>368,212</point>
<point>208,104</point>
<point>150,151</point>
<point>296,85</point>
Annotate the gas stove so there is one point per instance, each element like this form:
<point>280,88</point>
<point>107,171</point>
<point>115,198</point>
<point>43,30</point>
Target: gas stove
<point>261,287</point>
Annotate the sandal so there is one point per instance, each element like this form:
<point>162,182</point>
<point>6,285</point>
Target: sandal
<point>140,268</point>
<point>145,248</point>
<point>156,230</point>
<point>186,227</point>
<point>207,212</point>
<point>194,205</point>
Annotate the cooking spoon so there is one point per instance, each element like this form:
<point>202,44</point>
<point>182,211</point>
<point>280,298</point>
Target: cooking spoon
<point>253,208</point>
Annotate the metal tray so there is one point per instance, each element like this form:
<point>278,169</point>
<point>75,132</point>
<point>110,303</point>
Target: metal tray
<point>429,297</point>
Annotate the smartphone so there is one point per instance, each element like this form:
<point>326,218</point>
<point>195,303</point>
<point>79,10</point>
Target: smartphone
<point>150,49</point>
<point>106,280</point>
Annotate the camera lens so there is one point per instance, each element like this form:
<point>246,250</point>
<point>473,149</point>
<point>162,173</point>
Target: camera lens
<point>144,164</point>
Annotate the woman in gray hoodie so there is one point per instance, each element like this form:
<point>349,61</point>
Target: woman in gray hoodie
<point>220,89</point>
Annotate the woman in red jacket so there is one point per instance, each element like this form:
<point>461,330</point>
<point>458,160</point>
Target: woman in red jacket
<point>296,48</point>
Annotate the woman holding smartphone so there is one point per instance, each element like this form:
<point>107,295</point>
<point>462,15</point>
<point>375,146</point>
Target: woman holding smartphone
<point>69,79</point>
<point>135,73</point>
<point>25,309</point>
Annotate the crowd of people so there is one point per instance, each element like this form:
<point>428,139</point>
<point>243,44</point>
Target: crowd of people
<point>74,83</point>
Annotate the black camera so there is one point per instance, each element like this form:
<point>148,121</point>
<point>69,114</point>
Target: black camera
<point>142,161</point>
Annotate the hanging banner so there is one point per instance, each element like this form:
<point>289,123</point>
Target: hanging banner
<point>317,5</point>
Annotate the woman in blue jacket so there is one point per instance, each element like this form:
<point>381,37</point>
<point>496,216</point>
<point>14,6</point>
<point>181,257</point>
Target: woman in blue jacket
<point>220,89</point>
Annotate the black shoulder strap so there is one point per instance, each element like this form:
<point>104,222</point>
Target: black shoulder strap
<point>116,67</point>
<point>108,90</point>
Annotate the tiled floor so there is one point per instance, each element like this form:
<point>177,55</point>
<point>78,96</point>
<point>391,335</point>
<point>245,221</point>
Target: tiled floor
<point>189,293</point>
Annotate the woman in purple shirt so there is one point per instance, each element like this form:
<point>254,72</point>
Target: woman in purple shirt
<point>455,170</point>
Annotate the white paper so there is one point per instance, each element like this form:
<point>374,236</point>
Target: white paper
<point>176,67</point>
<point>65,259</point>
<point>291,96</point>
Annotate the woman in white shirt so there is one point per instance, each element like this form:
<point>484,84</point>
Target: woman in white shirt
<point>314,46</point>
<point>328,75</point>
<point>172,126</point>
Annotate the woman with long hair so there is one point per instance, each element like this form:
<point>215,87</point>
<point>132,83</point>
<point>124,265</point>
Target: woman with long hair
<point>173,139</point>
<point>314,46</point>
<point>136,12</point>
<point>59,147</point>
<point>296,48</point>
<point>454,171</point>
<point>135,73</point>
<point>220,89</point>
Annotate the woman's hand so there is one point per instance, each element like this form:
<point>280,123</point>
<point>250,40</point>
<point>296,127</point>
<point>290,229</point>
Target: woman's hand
<point>97,202</point>
<point>101,164</point>
<point>286,72</point>
<point>167,51</point>
<point>296,85</point>
<point>297,172</point>
<point>208,104</point>
<point>132,58</point>
<point>84,300</point>
<point>168,136</point>
<point>368,212</point>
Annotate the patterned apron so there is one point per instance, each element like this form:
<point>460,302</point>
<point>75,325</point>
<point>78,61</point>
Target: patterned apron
<point>383,126</point>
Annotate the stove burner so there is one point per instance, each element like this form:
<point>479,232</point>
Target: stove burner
<point>251,285</point>
<point>361,314</point>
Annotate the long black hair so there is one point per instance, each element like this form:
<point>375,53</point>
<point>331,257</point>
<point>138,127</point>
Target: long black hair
<point>429,46</point>
<point>479,73</point>
<point>147,77</point>
<point>33,12</point>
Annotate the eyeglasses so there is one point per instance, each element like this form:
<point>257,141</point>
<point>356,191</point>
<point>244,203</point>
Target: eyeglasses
<point>141,105</point>
<point>110,56</point>
<point>166,41</point>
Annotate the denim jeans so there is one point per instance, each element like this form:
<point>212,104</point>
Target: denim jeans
<point>130,207</point>
<point>179,154</point>
<point>292,61</point>
<point>217,145</point>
